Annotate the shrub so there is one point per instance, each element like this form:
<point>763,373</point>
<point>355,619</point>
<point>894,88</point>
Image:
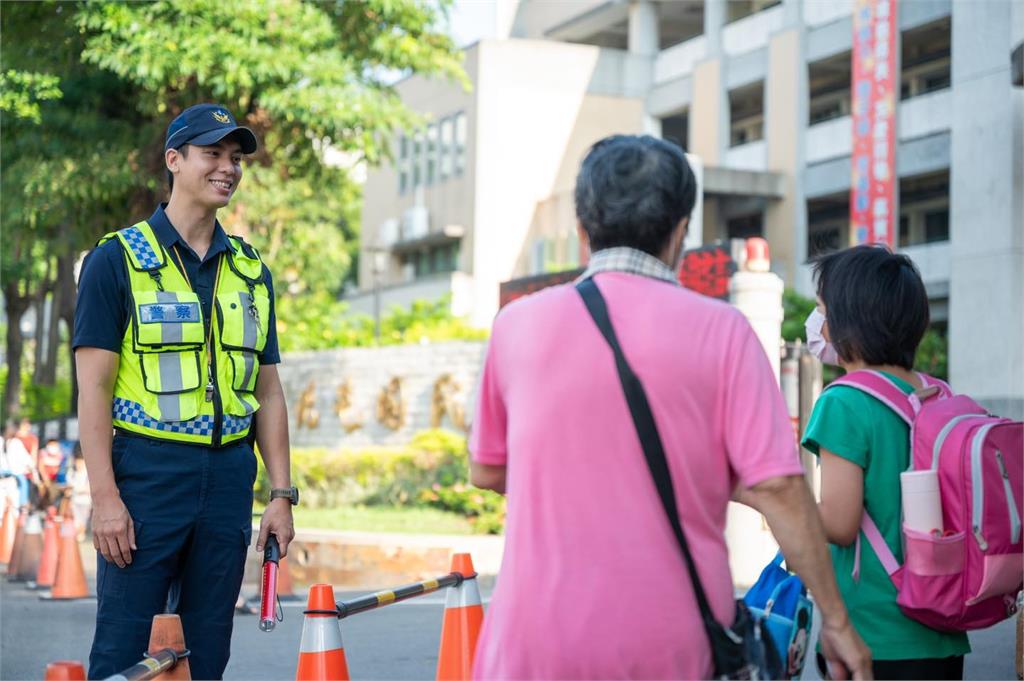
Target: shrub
<point>432,470</point>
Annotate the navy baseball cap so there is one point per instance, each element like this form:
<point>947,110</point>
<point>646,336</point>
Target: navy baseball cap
<point>206,124</point>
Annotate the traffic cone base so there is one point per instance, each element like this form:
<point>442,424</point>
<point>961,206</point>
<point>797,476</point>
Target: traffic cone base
<point>19,533</point>
<point>69,581</point>
<point>167,633</point>
<point>463,619</point>
<point>321,652</point>
<point>65,670</point>
<point>30,553</point>
<point>8,529</point>
<point>47,571</point>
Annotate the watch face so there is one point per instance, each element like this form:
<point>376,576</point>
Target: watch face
<point>295,496</point>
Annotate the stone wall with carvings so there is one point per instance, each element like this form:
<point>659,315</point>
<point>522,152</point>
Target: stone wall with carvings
<point>355,397</point>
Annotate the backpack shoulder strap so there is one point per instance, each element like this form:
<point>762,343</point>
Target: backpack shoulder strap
<point>875,383</point>
<point>877,541</point>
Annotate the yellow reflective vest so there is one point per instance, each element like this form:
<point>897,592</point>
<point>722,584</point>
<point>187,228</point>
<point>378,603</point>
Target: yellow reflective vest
<point>179,378</point>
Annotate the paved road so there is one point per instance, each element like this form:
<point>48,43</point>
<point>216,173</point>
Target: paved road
<point>396,642</point>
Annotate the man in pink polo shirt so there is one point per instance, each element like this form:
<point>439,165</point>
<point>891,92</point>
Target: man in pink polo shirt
<point>593,584</point>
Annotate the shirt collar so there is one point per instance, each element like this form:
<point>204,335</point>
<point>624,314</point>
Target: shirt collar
<point>630,261</point>
<point>168,236</point>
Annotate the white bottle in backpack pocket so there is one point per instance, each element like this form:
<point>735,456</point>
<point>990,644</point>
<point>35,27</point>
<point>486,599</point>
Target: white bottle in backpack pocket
<point>922,505</point>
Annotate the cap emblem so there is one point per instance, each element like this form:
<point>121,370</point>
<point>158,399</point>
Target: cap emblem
<point>221,117</point>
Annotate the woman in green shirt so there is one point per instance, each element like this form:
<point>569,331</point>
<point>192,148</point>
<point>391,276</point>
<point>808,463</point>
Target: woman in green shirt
<point>872,312</point>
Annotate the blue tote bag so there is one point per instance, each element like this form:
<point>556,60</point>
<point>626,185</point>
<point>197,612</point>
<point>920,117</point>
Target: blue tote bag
<point>779,598</point>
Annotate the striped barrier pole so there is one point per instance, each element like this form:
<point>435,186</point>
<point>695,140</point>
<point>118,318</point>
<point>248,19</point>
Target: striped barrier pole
<point>151,666</point>
<point>402,593</point>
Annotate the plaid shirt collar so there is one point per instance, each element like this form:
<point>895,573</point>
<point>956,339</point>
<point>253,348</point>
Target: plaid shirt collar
<point>630,261</point>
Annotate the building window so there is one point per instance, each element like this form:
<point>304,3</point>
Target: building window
<point>417,160</point>
<point>447,147</point>
<point>459,165</point>
<point>924,209</point>
<point>676,129</point>
<point>926,59</point>
<point>746,114</point>
<point>829,88</point>
<point>738,9</point>
<point>403,164</point>
<point>431,154</point>
<point>434,260</point>
<point>828,220</point>
<point>745,226</point>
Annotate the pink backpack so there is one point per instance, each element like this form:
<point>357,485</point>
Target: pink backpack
<point>969,577</point>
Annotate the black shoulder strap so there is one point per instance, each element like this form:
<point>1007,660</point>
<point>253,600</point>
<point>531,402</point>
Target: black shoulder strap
<point>650,440</point>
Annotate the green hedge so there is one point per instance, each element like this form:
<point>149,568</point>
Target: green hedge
<point>432,470</point>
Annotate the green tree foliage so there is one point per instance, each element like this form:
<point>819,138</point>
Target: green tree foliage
<point>932,354</point>
<point>319,321</point>
<point>795,309</point>
<point>89,88</point>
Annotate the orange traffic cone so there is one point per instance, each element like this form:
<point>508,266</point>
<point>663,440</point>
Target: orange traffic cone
<point>69,582</point>
<point>8,530</point>
<point>463,617</point>
<point>285,586</point>
<point>65,670</point>
<point>31,550</point>
<point>51,548</point>
<point>12,564</point>
<point>321,653</point>
<point>167,633</point>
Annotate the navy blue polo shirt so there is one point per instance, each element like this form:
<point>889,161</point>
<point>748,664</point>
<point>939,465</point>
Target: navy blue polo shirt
<point>103,309</point>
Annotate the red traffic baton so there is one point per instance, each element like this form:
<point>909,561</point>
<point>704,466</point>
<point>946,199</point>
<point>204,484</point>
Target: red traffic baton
<point>268,590</point>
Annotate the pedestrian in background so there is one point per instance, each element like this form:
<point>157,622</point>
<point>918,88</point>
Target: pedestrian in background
<point>17,463</point>
<point>28,438</point>
<point>78,491</point>
<point>586,534</point>
<point>872,313</point>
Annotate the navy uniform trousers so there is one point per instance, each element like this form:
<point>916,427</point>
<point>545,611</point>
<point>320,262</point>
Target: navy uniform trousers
<point>192,508</point>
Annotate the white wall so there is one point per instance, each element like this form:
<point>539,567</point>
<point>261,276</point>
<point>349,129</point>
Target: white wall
<point>751,156</point>
<point>534,123</point>
<point>679,60</point>
<point>818,12</point>
<point>925,114</point>
<point>752,32</point>
<point>830,139</point>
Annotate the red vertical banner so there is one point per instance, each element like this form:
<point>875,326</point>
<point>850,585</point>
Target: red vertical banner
<point>873,216</point>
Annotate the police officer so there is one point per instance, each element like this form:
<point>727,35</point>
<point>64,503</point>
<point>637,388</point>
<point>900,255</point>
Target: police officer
<point>176,350</point>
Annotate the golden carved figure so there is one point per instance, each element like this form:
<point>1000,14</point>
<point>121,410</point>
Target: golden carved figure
<point>308,415</point>
<point>349,419</point>
<point>446,401</point>
<point>391,406</point>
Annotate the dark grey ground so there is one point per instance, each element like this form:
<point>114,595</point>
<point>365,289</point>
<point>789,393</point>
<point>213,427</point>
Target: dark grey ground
<point>396,642</point>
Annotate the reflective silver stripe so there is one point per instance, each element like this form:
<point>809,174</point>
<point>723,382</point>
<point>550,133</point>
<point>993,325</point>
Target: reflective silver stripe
<point>320,634</point>
<point>944,433</point>
<point>171,379</point>
<point>250,367</point>
<point>170,407</point>
<point>977,480</point>
<point>250,330</point>
<point>169,333</point>
<point>463,595</point>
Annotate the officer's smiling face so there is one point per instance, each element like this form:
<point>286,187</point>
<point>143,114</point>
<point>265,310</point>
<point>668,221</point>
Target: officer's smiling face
<point>210,175</point>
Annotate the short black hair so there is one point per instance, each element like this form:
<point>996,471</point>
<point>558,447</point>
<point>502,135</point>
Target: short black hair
<point>183,150</point>
<point>633,191</point>
<point>876,305</point>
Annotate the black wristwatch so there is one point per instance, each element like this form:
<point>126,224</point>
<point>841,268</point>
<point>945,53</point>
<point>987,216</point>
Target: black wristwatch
<point>289,493</point>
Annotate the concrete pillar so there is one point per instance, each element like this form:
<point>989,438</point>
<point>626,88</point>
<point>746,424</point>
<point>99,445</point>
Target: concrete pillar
<point>986,317</point>
<point>714,20</point>
<point>751,545</point>
<point>643,28</point>
<point>709,113</point>
<point>786,94</point>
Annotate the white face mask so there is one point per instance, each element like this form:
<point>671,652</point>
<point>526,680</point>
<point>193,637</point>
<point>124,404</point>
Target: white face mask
<point>816,342</point>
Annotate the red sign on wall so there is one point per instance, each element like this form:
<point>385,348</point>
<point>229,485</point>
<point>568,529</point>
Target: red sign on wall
<point>875,79</point>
